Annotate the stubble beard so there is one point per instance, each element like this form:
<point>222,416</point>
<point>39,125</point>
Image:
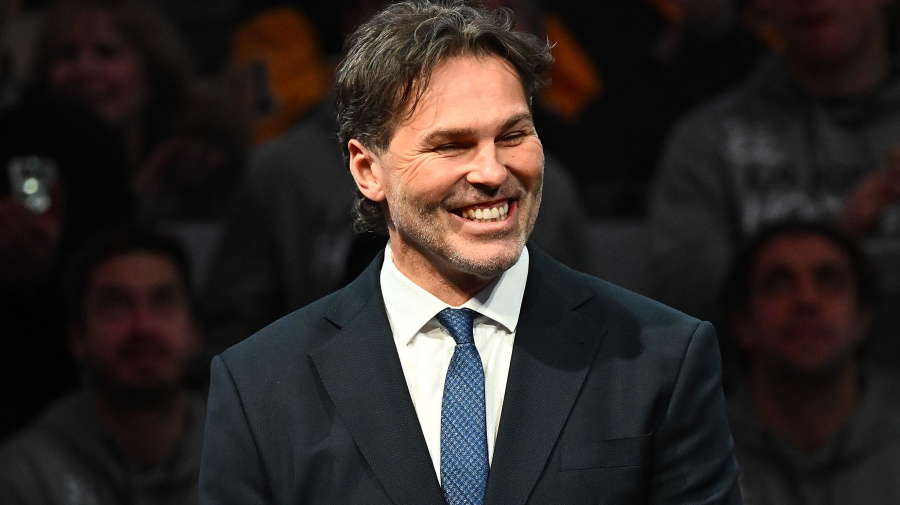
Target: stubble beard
<point>415,220</point>
<point>147,395</point>
<point>133,397</point>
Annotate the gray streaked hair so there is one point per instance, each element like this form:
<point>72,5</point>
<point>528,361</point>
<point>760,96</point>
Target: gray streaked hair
<point>388,64</point>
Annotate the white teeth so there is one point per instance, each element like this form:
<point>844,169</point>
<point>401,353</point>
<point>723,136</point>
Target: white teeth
<point>488,215</point>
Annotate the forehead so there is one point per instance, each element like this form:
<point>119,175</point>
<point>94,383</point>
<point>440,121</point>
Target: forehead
<point>457,83</point>
<point>90,24</point>
<point>135,270</point>
<point>800,252</point>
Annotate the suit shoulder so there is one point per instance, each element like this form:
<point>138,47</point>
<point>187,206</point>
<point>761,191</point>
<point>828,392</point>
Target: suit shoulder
<point>297,332</point>
<point>604,300</point>
<point>647,309</point>
<point>631,317</point>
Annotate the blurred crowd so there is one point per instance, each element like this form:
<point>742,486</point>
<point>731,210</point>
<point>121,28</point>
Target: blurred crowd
<point>756,142</point>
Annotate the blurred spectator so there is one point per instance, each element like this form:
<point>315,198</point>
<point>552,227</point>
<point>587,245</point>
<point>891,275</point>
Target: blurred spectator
<point>63,181</point>
<point>277,55</point>
<point>121,57</point>
<point>811,423</point>
<point>809,135</point>
<point>131,434</point>
<point>288,243</point>
<point>653,60</point>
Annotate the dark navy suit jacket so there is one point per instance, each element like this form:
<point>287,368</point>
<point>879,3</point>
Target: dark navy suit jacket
<point>611,398</point>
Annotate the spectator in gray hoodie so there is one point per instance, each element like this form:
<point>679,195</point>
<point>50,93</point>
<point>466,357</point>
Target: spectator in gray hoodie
<point>811,134</point>
<point>813,424</point>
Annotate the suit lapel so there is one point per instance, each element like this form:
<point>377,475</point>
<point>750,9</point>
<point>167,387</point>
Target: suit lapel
<point>553,351</point>
<point>361,371</point>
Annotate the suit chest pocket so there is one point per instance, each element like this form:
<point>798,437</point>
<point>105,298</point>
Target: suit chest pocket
<point>615,453</point>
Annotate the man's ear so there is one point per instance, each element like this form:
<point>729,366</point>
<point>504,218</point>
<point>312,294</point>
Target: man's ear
<point>367,170</point>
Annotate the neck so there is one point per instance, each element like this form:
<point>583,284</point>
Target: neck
<point>806,411</point>
<point>150,432</point>
<point>844,77</point>
<point>453,288</point>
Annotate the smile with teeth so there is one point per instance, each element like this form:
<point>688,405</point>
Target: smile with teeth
<point>487,215</point>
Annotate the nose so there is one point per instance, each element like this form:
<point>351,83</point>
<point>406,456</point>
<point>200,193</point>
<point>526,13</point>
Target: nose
<point>807,294</point>
<point>487,169</point>
<point>144,318</point>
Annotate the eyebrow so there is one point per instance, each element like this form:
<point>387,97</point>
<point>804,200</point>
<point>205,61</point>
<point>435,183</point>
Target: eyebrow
<point>438,136</point>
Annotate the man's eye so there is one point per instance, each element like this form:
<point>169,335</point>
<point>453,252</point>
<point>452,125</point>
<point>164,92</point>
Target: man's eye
<point>833,281</point>
<point>511,138</point>
<point>169,300</point>
<point>450,146</point>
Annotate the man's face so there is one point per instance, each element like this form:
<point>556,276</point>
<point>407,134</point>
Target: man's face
<point>828,31</point>
<point>137,333</point>
<point>461,179</point>
<point>803,310</point>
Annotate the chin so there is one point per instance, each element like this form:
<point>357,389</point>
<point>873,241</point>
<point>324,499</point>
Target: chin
<point>492,261</point>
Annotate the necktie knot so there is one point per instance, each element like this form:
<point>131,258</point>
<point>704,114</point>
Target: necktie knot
<point>459,323</point>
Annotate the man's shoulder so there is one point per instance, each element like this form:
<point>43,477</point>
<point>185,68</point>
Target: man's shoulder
<point>299,332</point>
<point>38,459</point>
<point>604,301</point>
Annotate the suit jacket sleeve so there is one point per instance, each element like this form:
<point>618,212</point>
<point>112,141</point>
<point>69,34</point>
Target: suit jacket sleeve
<point>694,461</point>
<point>231,470</point>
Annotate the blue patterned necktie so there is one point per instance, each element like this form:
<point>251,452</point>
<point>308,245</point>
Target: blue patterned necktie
<point>464,454</point>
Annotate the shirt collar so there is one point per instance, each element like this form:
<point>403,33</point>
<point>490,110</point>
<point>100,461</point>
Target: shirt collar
<point>410,307</point>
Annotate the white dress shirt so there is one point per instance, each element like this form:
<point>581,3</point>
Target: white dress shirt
<point>425,346</point>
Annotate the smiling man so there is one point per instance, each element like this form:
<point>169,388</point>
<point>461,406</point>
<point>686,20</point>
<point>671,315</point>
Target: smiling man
<point>463,367</point>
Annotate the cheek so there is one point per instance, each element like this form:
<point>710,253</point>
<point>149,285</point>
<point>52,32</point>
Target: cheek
<point>425,180</point>
<point>176,328</point>
<point>770,315</point>
<point>527,162</point>
<point>183,337</point>
<point>127,78</point>
<point>843,315</point>
<point>104,341</point>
